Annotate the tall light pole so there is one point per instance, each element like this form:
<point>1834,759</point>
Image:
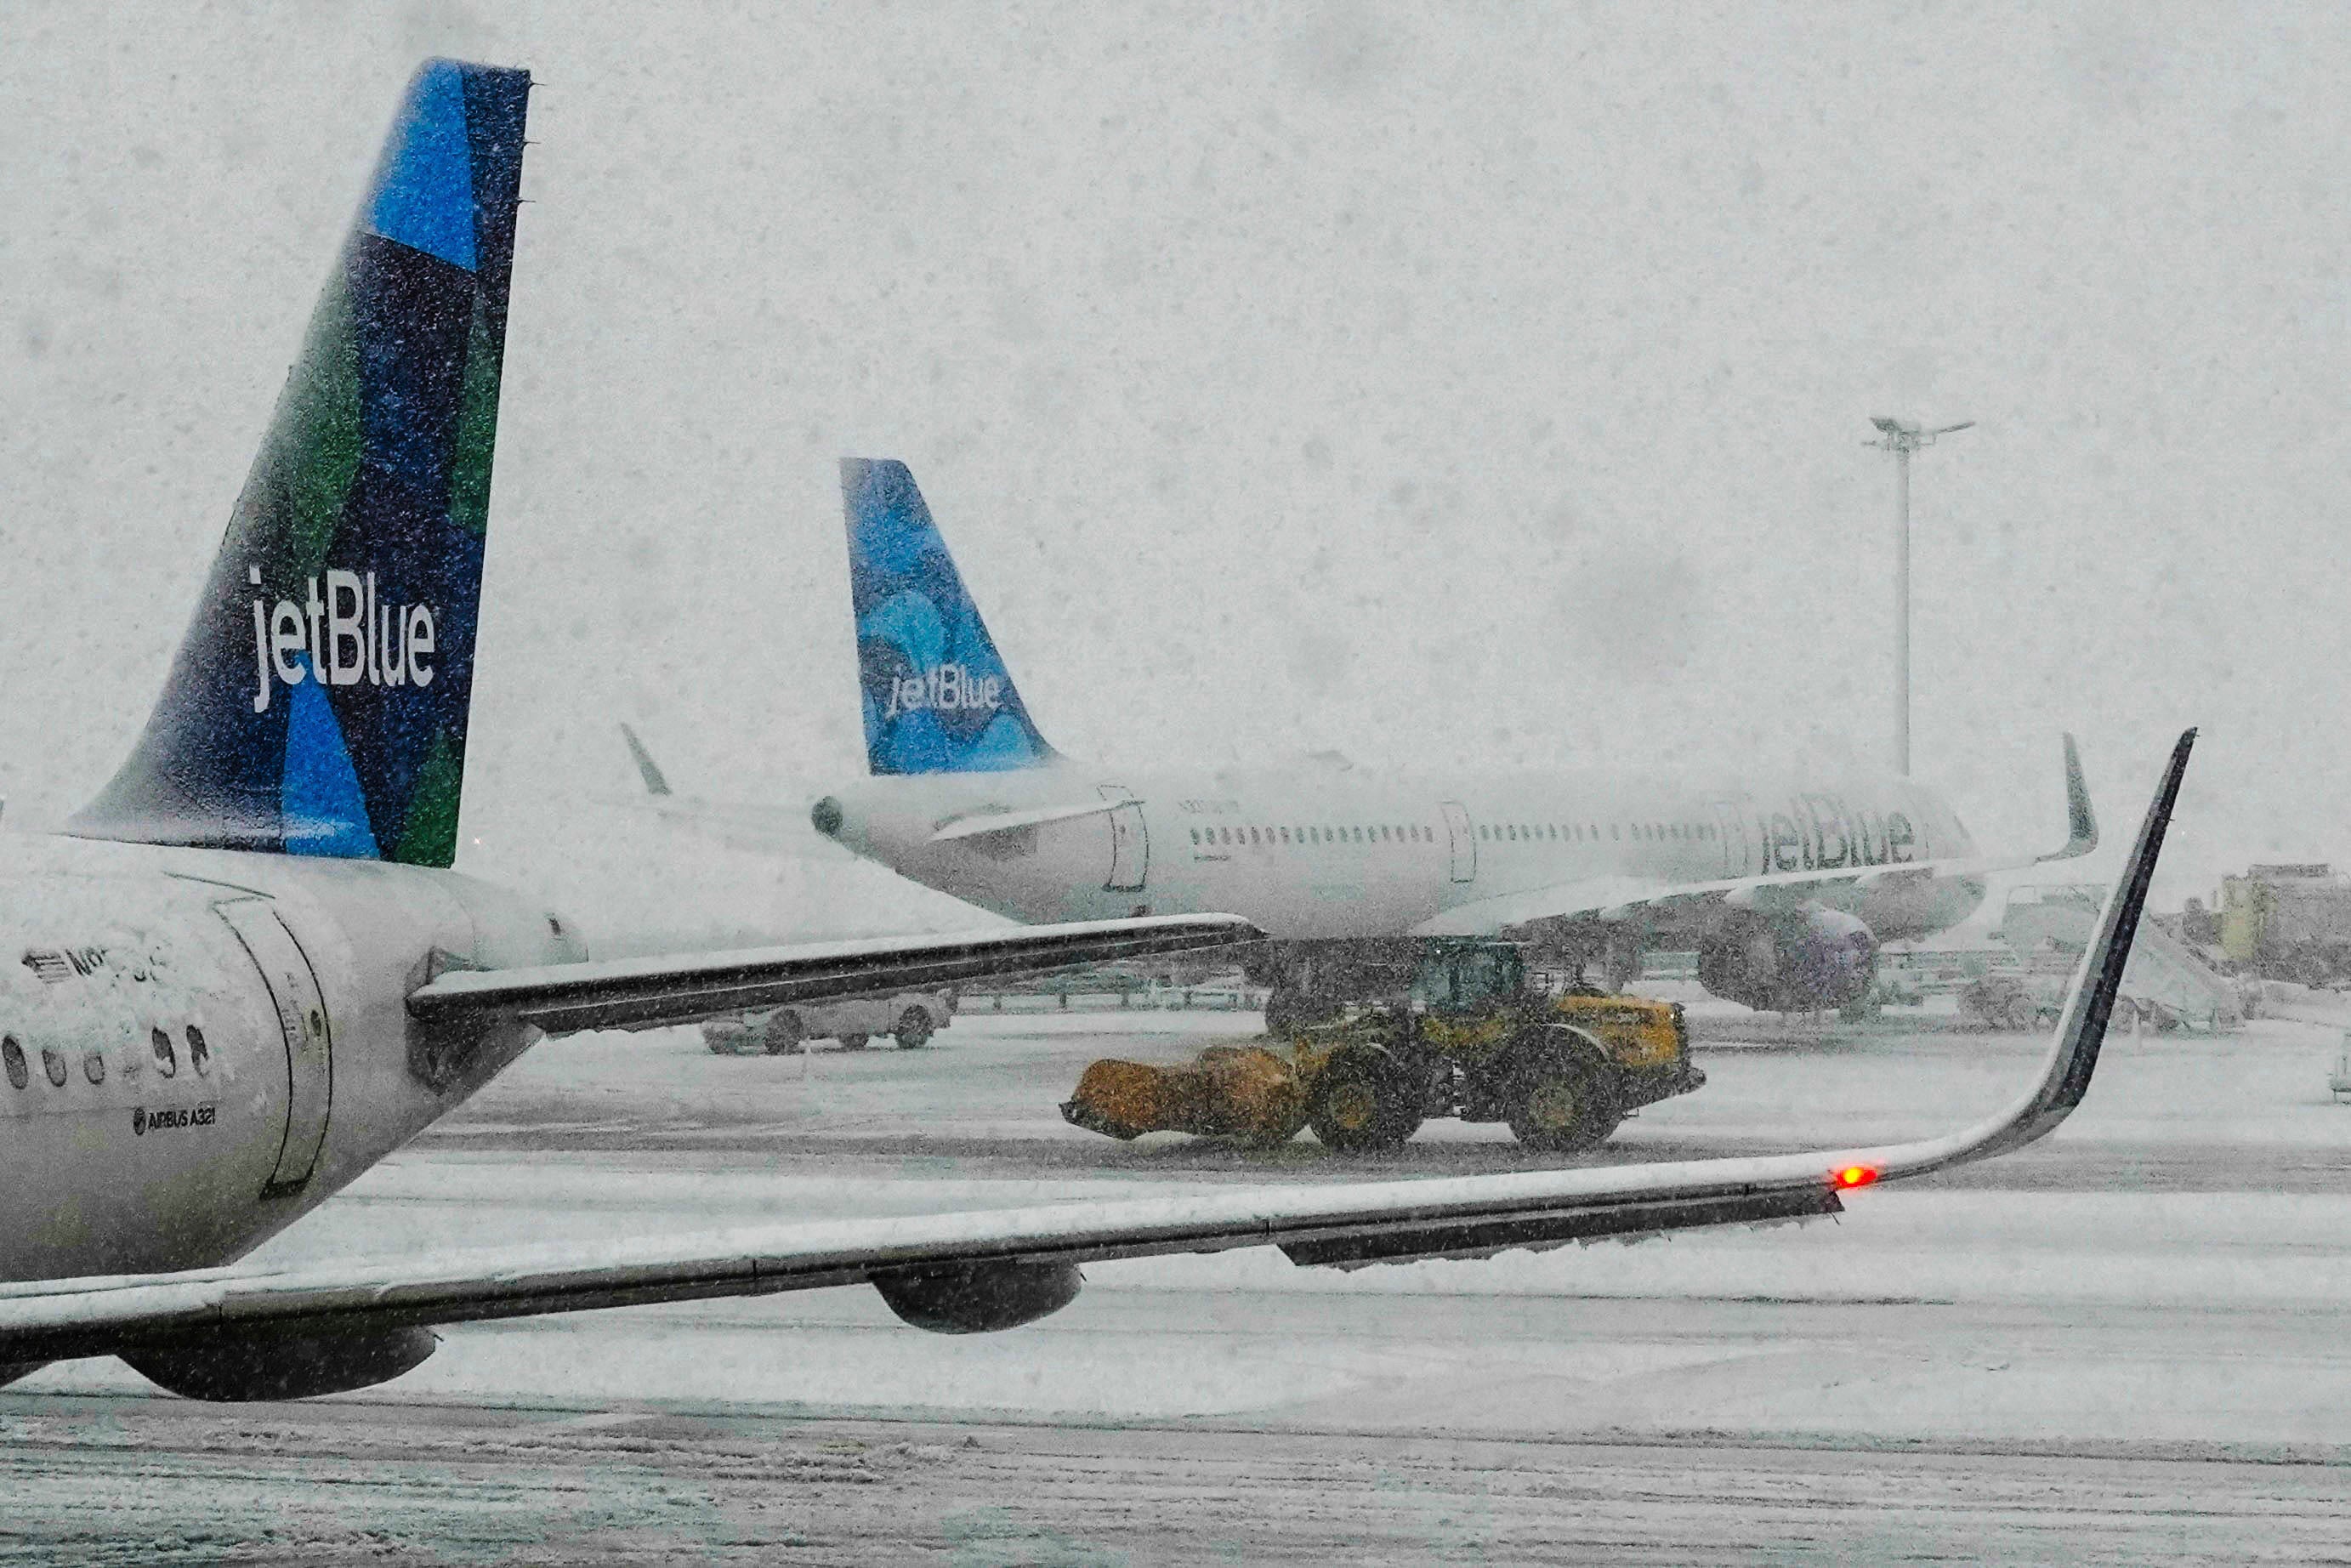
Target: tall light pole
<point>1902,437</point>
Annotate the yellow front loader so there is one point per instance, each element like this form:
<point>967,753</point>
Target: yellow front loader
<point>1472,1039</point>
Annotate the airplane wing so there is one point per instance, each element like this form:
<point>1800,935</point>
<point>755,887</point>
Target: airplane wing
<point>1611,899</point>
<point>653,993</point>
<point>943,1270</point>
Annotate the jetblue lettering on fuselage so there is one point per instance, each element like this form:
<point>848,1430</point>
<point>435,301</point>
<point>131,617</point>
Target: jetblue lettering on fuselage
<point>1821,832</point>
<point>949,688</point>
<point>348,636</point>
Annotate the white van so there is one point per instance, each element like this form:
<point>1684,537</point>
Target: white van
<point>910,1018</point>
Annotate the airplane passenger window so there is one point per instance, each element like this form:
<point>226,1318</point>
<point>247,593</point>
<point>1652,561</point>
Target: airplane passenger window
<point>166,1061</point>
<point>54,1065</point>
<point>200,1055</point>
<point>14,1055</point>
<point>93,1067</point>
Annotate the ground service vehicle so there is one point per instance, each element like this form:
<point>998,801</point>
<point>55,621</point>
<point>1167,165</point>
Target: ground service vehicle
<point>910,1018</point>
<point>1473,1039</point>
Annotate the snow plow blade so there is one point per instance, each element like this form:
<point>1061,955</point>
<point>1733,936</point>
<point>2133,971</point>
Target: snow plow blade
<point>1231,1090</point>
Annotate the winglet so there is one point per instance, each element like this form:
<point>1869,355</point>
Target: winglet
<point>2081,821</point>
<point>654,783</point>
<point>2075,1055</point>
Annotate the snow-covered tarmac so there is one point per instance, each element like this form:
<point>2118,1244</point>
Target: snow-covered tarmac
<point>2129,1344</point>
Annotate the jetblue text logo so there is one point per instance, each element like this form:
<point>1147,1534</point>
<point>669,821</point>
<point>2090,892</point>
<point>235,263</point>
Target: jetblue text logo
<point>348,636</point>
<point>950,688</point>
<point>1822,832</point>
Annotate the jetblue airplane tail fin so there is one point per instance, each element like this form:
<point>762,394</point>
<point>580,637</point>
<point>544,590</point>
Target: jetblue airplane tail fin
<point>937,698</point>
<point>318,704</point>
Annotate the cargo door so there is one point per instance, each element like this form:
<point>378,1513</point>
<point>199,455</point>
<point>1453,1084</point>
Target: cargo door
<point>302,1024</point>
<point>1129,841</point>
<point>1731,822</point>
<point>1464,843</point>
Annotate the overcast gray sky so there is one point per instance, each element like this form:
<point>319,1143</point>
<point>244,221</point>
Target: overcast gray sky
<point>1477,385</point>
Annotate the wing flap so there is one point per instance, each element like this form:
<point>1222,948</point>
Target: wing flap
<point>1338,1224</point>
<point>651,993</point>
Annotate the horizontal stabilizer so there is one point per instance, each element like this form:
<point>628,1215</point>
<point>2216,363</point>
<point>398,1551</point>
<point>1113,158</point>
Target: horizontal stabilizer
<point>979,824</point>
<point>656,783</point>
<point>651,993</point>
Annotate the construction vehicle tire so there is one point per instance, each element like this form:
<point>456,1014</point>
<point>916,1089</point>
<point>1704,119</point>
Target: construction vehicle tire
<point>1562,1100</point>
<point>913,1030</point>
<point>781,1035</point>
<point>1366,1100</point>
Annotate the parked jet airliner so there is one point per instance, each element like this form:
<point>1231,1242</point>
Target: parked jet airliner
<point>1784,886</point>
<point>250,973</point>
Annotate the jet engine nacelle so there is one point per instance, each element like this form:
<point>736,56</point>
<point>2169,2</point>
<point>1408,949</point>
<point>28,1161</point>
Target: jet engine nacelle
<point>243,1367</point>
<point>1807,962</point>
<point>981,1298</point>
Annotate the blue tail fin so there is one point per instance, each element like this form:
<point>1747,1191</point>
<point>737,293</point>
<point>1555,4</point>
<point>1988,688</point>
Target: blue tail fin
<point>318,701</point>
<point>938,697</point>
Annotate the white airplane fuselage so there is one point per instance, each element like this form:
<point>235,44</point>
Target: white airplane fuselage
<point>1343,853</point>
<point>198,1047</point>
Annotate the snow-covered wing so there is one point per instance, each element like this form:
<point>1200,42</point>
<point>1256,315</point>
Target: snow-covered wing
<point>650,993</point>
<point>1343,1225</point>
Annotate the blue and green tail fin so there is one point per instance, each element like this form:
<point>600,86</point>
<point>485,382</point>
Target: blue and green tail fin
<point>318,704</point>
<point>937,697</point>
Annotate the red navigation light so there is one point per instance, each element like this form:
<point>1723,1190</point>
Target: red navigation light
<point>1855,1176</point>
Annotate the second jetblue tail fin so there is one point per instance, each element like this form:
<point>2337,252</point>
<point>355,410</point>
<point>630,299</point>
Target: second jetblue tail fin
<point>318,704</point>
<point>937,698</point>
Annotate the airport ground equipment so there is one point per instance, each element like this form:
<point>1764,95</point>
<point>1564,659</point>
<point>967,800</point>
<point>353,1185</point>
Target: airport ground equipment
<point>2288,921</point>
<point>1473,1039</point>
<point>2047,927</point>
<point>910,1018</point>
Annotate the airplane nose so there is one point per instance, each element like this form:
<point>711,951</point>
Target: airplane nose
<point>825,816</point>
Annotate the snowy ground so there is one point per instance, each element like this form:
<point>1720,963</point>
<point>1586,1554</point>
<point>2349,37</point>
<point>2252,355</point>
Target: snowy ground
<point>2129,1344</point>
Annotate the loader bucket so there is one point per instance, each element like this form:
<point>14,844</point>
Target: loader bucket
<point>1228,1092</point>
